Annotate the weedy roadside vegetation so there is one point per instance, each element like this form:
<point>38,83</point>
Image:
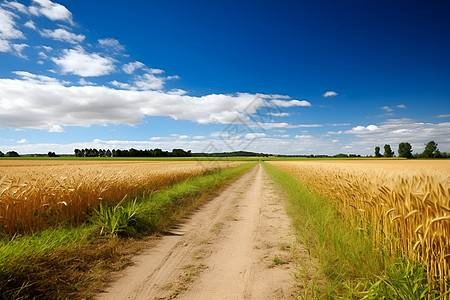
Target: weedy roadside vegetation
<point>376,220</point>
<point>72,261</point>
<point>120,218</point>
<point>279,261</point>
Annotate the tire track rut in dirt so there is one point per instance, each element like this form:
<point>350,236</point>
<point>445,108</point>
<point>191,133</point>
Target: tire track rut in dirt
<point>237,246</point>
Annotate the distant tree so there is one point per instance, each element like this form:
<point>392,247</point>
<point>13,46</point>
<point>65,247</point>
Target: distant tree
<point>445,155</point>
<point>1,154</point>
<point>52,154</point>
<point>388,151</point>
<point>78,153</point>
<point>134,153</point>
<point>377,152</point>
<point>158,152</point>
<point>405,150</point>
<point>117,153</point>
<point>431,150</point>
<point>90,152</point>
<point>12,154</point>
<point>108,153</point>
<point>122,153</point>
<point>102,152</point>
<point>180,153</point>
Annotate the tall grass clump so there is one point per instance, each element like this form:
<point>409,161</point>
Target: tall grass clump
<point>404,279</point>
<point>403,207</point>
<point>117,219</point>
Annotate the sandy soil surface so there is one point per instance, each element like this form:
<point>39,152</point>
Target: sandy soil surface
<point>240,245</point>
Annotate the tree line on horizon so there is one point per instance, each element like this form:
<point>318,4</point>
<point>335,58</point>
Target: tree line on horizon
<point>92,152</point>
<point>405,150</point>
<point>9,154</point>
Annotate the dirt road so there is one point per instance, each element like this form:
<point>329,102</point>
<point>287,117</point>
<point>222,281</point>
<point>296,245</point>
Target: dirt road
<point>240,245</point>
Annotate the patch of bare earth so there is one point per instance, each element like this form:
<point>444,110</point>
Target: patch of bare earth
<point>240,245</point>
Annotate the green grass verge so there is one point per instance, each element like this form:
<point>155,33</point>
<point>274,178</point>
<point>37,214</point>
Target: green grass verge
<point>347,257</point>
<point>70,262</point>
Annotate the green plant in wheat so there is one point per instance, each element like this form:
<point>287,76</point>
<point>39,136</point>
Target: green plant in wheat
<point>119,219</point>
<point>406,280</point>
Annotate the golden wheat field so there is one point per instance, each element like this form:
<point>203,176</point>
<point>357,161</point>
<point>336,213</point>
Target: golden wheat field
<point>35,194</point>
<point>404,203</point>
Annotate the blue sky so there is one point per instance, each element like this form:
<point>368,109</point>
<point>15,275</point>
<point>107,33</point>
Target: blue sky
<point>286,77</point>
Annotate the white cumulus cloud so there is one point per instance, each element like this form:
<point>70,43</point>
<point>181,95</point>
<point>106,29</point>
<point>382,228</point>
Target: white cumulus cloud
<point>111,44</point>
<point>132,66</point>
<point>5,46</point>
<point>121,85</point>
<point>362,128</point>
<point>23,101</point>
<point>177,92</point>
<point>30,24</point>
<point>329,94</point>
<point>159,71</point>
<point>18,48</point>
<point>8,28</point>
<point>145,82</point>
<point>47,48</point>
<point>16,5</point>
<point>85,82</point>
<point>79,62</point>
<point>255,135</point>
<point>278,114</point>
<point>56,128</point>
<point>149,82</point>
<point>290,103</point>
<point>63,35</point>
<point>38,79</point>
<point>53,11</point>
<point>42,55</point>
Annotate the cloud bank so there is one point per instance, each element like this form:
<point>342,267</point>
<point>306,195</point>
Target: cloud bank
<point>42,102</point>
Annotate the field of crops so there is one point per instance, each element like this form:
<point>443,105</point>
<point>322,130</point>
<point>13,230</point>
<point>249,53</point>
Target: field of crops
<point>403,205</point>
<point>35,194</point>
